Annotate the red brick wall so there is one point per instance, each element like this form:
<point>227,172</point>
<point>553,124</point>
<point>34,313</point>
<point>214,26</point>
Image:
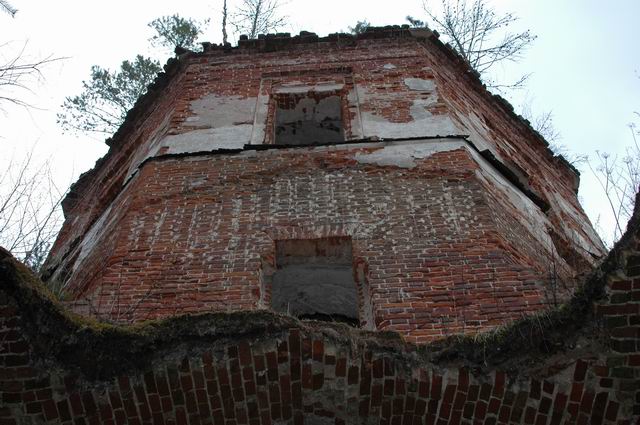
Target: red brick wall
<point>566,367</point>
<point>97,188</point>
<point>195,234</point>
<point>445,251</point>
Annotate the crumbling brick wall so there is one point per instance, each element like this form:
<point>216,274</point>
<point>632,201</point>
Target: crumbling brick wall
<point>437,263</point>
<point>579,363</point>
<point>461,217</point>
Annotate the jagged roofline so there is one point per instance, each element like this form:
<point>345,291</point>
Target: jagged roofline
<point>284,41</point>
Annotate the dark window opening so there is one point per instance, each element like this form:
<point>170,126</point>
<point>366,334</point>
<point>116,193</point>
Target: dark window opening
<point>309,118</point>
<point>314,280</point>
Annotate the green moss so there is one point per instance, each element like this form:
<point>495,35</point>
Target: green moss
<point>101,351</point>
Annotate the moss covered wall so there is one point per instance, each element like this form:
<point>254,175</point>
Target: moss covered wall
<point>579,364</point>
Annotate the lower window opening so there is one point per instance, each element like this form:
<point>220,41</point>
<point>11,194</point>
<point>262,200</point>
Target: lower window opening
<point>314,280</point>
<point>338,318</point>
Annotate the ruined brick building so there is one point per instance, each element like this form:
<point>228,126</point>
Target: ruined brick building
<point>371,180</point>
<point>368,182</point>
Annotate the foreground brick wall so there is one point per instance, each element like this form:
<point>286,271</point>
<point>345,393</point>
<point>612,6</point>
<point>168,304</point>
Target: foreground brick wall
<point>570,366</point>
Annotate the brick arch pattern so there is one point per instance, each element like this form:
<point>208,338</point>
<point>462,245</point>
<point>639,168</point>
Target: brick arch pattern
<point>261,368</point>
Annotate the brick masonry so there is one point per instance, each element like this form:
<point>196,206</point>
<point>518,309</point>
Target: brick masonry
<point>577,364</point>
<point>461,218</point>
<point>433,267</point>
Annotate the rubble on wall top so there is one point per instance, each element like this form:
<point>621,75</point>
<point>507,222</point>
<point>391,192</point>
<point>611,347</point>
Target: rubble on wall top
<point>279,41</point>
<point>282,41</point>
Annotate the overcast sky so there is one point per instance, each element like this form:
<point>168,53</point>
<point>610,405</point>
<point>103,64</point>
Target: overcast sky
<point>585,65</point>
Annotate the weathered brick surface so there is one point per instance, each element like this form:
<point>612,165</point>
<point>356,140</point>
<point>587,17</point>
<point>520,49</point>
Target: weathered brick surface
<point>195,234</point>
<point>454,240</point>
<point>225,370</point>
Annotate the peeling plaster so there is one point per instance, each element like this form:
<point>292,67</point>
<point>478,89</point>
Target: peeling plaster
<point>419,84</point>
<point>149,148</point>
<point>529,214</point>
<point>261,112</point>
<point>209,139</point>
<point>593,244</point>
<point>94,235</point>
<point>474,127</point>
<point>299,87</point>
<point>424,123</point>
<point>404,155</point>
<point>221,122</point>
<point>213,111</point>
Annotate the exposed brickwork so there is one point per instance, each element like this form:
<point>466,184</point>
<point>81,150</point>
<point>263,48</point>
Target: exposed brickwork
<point>447,270</point>
<point>89,197</point>
<point>469,224</point>
<point>303,373</point>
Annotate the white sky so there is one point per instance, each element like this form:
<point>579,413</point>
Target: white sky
<point>585,65</point>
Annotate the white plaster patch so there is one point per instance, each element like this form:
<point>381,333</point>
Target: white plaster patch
<point>530,215</point>
<point>407,154</point>
<point>260,117</point>
<point>389,66</point>
<point>213,111</point>
<point>593,244</point>
<point>301,88</point>
<point>424,123</point>
<point>149,147</point>
<point>404,155</point>
<point>475,128</point>
<point>95,235</point>
<point>221,122</point>
<point>209,139</point>
<point>419,84</point>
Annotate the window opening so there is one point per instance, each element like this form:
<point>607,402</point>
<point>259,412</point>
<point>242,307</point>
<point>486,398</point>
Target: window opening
<point>314,279</point>
<point>308,118</point>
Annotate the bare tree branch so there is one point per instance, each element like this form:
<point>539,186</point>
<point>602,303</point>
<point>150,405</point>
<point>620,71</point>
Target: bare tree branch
<point>255,17</point>
<point>17,74</point>
<point>5,6</point>
<point>542,123</point>
<point>224,23</point>
<point>30,212</point>
<point>478,34</point>
<point>619,178</point>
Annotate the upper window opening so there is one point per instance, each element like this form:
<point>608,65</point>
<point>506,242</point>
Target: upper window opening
<point>315,280</point>
<point>308,118</point>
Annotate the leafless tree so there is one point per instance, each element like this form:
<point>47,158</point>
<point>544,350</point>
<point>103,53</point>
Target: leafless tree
<point>30,212</point>
<point>18,73</point>
<point>360,27</point>
<point>255,17</point>
<point>225,15</point>
<point>479,35</point>
<point>543,124</point>
<point>29,199</point>
<point>619,178</point>
<point>6,7</point>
